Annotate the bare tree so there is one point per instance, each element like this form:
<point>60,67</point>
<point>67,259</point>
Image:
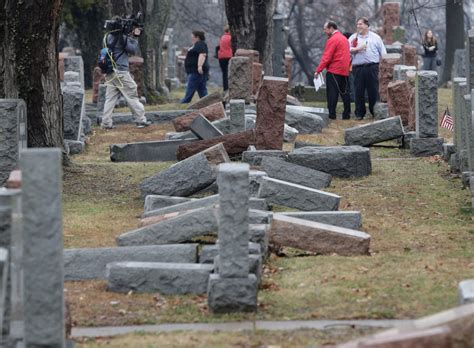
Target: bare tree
<point>30,72</point>
<point>251,24</point>
<point>455,29</point>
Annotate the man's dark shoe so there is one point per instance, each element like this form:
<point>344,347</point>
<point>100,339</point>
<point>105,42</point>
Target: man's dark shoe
<point>332,117</point>
<point>358,118</point>
<point>143,124</point>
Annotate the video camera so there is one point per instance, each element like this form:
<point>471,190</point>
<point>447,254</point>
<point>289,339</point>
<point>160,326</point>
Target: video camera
<point>126,23</point>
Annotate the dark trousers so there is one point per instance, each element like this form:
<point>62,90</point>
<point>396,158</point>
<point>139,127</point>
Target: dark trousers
<point>196,82</point>
<point>366,78</point>
<point>338,85</point>
<point>224,64</point>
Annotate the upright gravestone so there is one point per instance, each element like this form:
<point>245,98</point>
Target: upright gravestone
<point>75,63</point>
<point>13,135</point>
<point>459,89</point>
<point>468,131</point>
<point>43,254</point>
<point>470,60</point>
<point>271,107</point>
<point>240,78</point>
<point>459,65</point>
<point>73,105</point>
<point>427,104</point>
<point>279,45</point>
<point>233,289</point>
<point>391,19</point>
<point>387,63</point>
<point>237,115</point>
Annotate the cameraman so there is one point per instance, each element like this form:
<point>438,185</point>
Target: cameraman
<point>120,81</point>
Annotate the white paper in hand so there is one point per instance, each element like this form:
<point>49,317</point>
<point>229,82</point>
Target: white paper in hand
<point>318,82</point>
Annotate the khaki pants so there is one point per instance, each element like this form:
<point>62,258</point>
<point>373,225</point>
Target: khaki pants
<point>120,82</point>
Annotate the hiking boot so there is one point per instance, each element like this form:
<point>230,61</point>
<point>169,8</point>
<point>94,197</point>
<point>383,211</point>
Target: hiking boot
<point>143,124</point>
<point>108,127</point>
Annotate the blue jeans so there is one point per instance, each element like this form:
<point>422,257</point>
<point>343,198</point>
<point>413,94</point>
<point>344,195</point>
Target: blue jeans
<point>196,82</point>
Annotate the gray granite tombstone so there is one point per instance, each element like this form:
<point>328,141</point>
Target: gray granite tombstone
<point>427,104</point>
<point>43,254</point>
<point>13,135</point>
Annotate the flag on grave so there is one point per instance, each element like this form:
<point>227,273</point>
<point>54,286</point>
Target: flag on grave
<point>447,120</point>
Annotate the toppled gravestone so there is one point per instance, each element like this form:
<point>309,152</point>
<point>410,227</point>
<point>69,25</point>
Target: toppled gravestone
<point>304,122</point>
<point>400,102</point>
<point>81,264</point>
<point>212,113</point>
<point>290,172</point>
<point>296,196</point>
<point>339,161</point>
<point>184,206</point>
<point>181,228</point>
<point>153,202</point>
<point>234,144</point>
<point>387,62</point>
<point>317,237</point>
<point>165,278</point>
<point>373,133</point>
<point>321,112</point>
<point>149,151</point>
<point>255,157</point>
<point>186,177</point>
<point>346,219</point>
<point>203,129</point>
<point>209,99</point>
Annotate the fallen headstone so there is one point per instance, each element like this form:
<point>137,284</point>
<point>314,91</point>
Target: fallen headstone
<point>290,172</point>
<point>149,151</point>
<point>234,144</point>
<point>81,264</point>
<point>212,113</point>
<point>317,237</point>
<point>165,278</point>
<point>186,177</point>
<point>153,202</point>
<point>209,99</point>
<point>346,219</point>
<point>296,196</point>
<point>375,132</point>
<point>255,157</point>
<point>184,206</point>
<point>339,161</point>
<point>181,228</point>
<point>304,122</point>
<point>203,129</point>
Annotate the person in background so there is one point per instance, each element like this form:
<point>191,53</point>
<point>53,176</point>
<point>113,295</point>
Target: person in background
<point>197,67</point>
<point>430,45</point>
<point>224,54</point>
<point>336,60</point>
<point>120,82</point>
<point>366,48</point>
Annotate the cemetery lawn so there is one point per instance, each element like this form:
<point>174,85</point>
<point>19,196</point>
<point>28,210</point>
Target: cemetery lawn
<point>418,216</point>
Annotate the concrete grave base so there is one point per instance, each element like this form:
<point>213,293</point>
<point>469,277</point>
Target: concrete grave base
<point>423,147</point>
<point>227,295</point>
<point>165,278</point>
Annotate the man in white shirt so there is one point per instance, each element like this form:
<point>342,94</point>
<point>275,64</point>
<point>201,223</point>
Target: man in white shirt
<point>366,49</point>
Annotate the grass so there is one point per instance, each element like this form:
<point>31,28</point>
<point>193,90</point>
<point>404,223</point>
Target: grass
<point>418,216</point>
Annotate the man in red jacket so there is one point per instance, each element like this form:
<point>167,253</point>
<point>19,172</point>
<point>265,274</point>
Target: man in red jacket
<point>336,60</point>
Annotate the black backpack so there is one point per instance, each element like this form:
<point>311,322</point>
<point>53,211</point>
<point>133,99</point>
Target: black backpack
<point>106,59</point>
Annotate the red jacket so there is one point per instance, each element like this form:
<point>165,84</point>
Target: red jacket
<point>225,47</point>
<point>336,57</point>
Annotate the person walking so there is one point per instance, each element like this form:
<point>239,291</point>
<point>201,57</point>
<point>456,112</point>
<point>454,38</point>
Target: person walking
<point>119,81</point>
<point>224,54</point>
<point>336,60</point>
<point>366,48</point>
<point>430,45</point>
<point>197,67</point>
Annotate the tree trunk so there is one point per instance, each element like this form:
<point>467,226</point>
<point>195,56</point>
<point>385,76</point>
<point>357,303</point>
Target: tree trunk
<point>156,15</point>
<point>455,31</point>
<point>31,71</point>
<point>251,24</point>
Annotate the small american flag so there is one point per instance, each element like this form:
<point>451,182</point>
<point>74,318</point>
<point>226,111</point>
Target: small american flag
<point>447,120</point>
